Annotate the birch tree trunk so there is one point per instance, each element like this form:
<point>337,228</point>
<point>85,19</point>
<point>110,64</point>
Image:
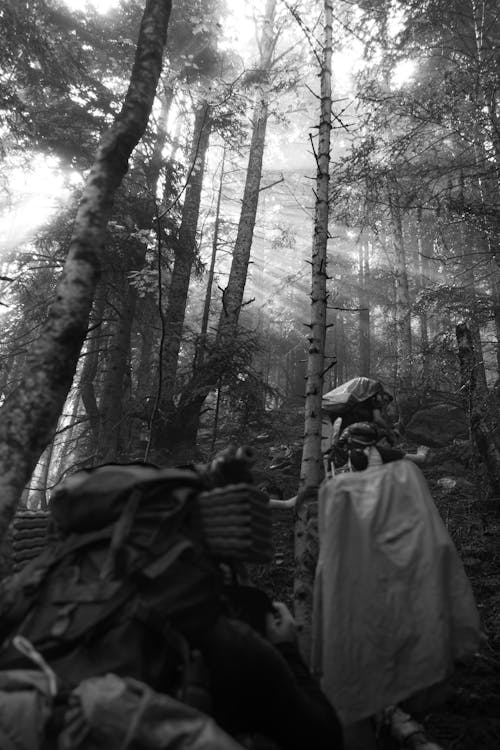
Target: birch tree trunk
<point>29,416</point>
<point>311,471</point>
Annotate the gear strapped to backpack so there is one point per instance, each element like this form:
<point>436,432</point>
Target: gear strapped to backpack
<point>125,582</point>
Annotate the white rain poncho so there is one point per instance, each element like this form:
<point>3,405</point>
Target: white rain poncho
<point>393,607</point>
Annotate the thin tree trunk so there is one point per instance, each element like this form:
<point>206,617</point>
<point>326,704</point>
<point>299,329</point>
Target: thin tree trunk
<point>90,363</point>
<point>490,194</point>
<point>115,410</point>
<point>215,427</point>
<point>201,350</point>
<point>111,411</point>
<point>30,414</point>
<point>185,249</point>
<point>364,311</point>
<point>481,434</point>
<point>155,165</point>
<point>311,470</point>
<point>45,474</point>
<point>424,249</point>
<point>62,448</point>
<point>207,377</point>
<point>233,294</point>
<point>469,282</point>
<point>403,308</point>
<point>495,289</point>
<point>147,367</point>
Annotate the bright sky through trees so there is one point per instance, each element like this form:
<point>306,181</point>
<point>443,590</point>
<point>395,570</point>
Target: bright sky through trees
<point>102,6</point>
<point>34,194</point>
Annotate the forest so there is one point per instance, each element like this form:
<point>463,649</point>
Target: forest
<point>212,213</point>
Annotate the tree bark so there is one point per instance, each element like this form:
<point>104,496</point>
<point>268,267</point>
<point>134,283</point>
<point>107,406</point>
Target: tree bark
<point>184,250</point>
<point>364,311</point>
<point>470,296</point>
<point>495,289</point>
<point>403,308</point>
<point>201,349</point>
<point>481,434</point>
<point>207,377</point>
<point>29,416</point>
<point>424,249</point>
<point>311,470</point>
<point>112,413</point>
<point>90,363</point>
<point>233,293</point>
<point>147,367</point>
<point>63,447</point>
<point>43,479</point>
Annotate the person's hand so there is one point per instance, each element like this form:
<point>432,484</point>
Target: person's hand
<point>280,625</point>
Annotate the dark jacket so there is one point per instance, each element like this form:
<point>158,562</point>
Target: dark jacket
<point>258,688</point>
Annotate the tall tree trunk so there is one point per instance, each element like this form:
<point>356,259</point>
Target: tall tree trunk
<point>490,196</point>
<point>111,409</point>
<point>64,447</point>
<point>29,416</point>
<point>233,294</point>
<point>185,251</point>
<point>114,413</point>
<point>88,374</point>
<point>45,474</point>
<point>154,167</point>
<point>207,378</point>
<point>403,309</point>
<point>311,470</point>
<point>364,311</point>
<point>495,293</point>
<point>480,430</point>
<point>201,349</point>
<point>146,371</point>
<point>424,249</point>
<point>470,295</point>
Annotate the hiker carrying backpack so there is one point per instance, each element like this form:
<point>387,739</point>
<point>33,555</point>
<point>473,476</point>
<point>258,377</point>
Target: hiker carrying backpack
<point>130,577</point>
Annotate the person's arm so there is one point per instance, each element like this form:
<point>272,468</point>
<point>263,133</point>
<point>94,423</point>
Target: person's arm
<point>393,454</point>
<point>281,631</point>
<point>276,502</point>
<point>420,457</point>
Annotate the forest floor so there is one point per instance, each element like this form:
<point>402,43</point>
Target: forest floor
<point>469,719</point>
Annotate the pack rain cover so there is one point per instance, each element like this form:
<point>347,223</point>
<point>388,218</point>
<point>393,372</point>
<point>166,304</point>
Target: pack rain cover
<point>393,608</point>
<point>354,391</point>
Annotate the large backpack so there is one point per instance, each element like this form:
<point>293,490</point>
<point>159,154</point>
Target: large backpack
<point>124,583</point>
